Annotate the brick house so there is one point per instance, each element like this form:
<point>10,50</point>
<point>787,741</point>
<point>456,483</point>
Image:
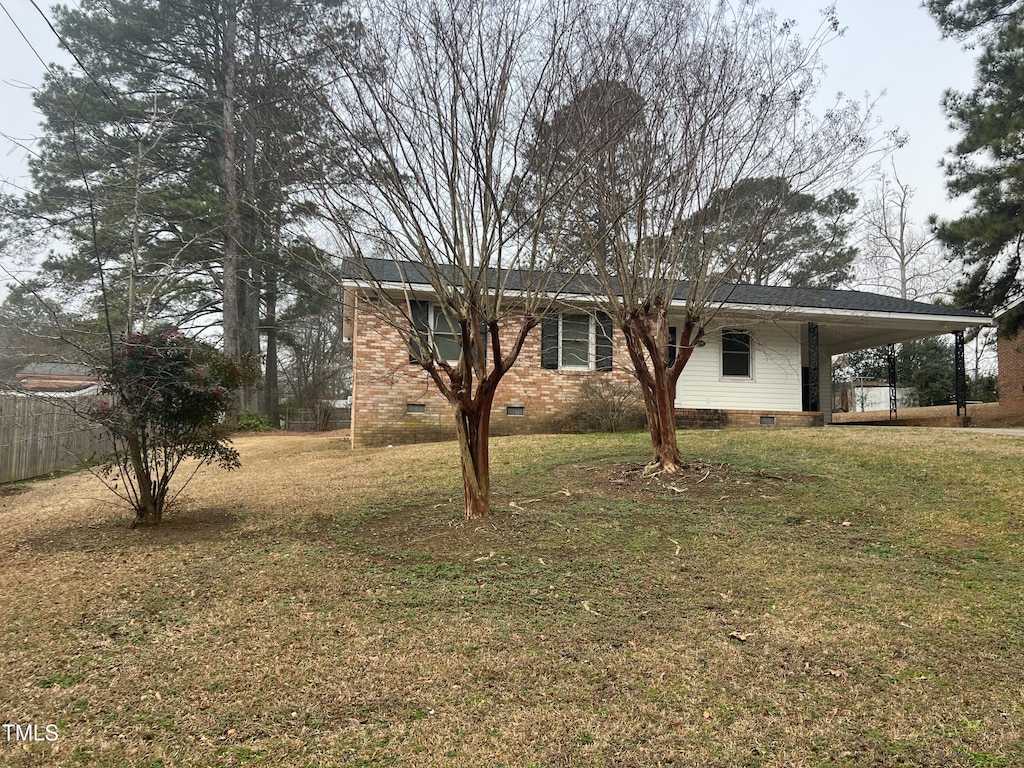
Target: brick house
<point>1010,350</point>
<point>765,360</point>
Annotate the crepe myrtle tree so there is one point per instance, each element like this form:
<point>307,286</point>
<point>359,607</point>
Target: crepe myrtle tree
<point>702,97</point>
<point>164,402</point>
<point>436,106</point>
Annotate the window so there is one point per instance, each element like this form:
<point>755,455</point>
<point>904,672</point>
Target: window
<point>576,341</point>
<point>434,331</point>
<point>736,354</point>
<point>415,407</point>
<point>446,339</point>
<point>515,410</point>
<point>575,337</point>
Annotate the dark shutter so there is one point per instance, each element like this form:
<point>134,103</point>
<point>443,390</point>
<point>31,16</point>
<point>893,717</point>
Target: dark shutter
<point>549,342</point>
<point>419,313</point>
<point>670,358</point>
<point>603,342</point>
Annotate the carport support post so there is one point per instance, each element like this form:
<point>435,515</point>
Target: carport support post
<point>890,353</point>
<point>813,375</point>
<point>961,373</point>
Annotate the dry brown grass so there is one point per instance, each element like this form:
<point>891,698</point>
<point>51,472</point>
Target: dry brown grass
<point>803,598</point>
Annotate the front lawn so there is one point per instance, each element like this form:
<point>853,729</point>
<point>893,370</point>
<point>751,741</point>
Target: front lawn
<point>830,597</point>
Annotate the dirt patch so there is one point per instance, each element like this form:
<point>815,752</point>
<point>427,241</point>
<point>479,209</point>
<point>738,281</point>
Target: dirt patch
<point>695,479</point>
<point>11,490</point>
<point>436,527</point>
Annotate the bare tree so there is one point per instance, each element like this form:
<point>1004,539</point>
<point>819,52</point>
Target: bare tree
<point>436,107</point>
<point>899,257</point>
<point>719,93</point>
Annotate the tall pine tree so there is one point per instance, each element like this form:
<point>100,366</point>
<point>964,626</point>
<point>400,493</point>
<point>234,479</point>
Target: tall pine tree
<point>988,162</point>
<point>174,159</point>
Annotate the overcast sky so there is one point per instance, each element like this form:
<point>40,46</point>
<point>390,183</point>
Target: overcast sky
<point>890,46</point>
<point>892,50</point>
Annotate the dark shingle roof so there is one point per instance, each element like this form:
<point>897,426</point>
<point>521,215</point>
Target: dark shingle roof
<point>819,298</point>
<point>414,274</point>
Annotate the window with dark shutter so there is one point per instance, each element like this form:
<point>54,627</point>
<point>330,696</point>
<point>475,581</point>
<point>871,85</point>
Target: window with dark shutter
<point>673,348</point>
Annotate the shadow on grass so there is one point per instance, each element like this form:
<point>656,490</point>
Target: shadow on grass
<point>115,532</point>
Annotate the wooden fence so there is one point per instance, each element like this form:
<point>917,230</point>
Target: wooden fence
<point>39,435</point>
<point>319,419</point>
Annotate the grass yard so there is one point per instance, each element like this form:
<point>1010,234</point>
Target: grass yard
<point>830,597</point>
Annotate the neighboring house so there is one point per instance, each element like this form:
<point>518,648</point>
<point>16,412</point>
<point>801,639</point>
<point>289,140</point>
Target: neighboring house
<point>1010,349</point>
<point>765,360</point>
<point>862,396</point>
<point>56,378</point>
<point>42,425</point>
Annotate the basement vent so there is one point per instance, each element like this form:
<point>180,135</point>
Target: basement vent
<point>767,421</point>
<point>415,408</point>
<point>515,410</point>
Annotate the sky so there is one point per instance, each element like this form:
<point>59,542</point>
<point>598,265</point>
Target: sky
<point>891,51</point>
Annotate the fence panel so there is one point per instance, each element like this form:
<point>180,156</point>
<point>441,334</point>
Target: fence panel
<point>40,435</point>
<point>317,419</point>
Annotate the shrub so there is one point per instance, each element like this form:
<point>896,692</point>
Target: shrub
<point>605,405</point>
<point>165,401</point>
<point>253,422</point>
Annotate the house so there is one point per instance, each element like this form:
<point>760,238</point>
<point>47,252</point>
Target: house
<point>1010,351</point>
<point>864,395</point>
<point>765,359</point>
<point>56,378</point>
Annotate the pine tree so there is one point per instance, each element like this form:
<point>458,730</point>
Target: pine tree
<point>173,160</point>
<point>988,162</point>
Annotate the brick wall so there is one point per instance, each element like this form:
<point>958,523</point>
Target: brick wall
<point>714,418</point>
<point>1011,369</point>
<point>385,384</point>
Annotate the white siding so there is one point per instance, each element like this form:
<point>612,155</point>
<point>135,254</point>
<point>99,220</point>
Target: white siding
<point>775,382</point>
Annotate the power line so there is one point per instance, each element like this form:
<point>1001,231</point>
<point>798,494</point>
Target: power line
<point>128,123</point>
<point>25,37</point>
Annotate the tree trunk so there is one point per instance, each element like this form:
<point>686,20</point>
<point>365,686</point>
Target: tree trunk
<point>270,387</point>
<point>653,421</point>
<point>146,508</point>
<point>668,448</point>
<point>233,292</point>
<point>253,245</point>
<point>473,426</point>
<point>658,381</point>
<point>241,317</point>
